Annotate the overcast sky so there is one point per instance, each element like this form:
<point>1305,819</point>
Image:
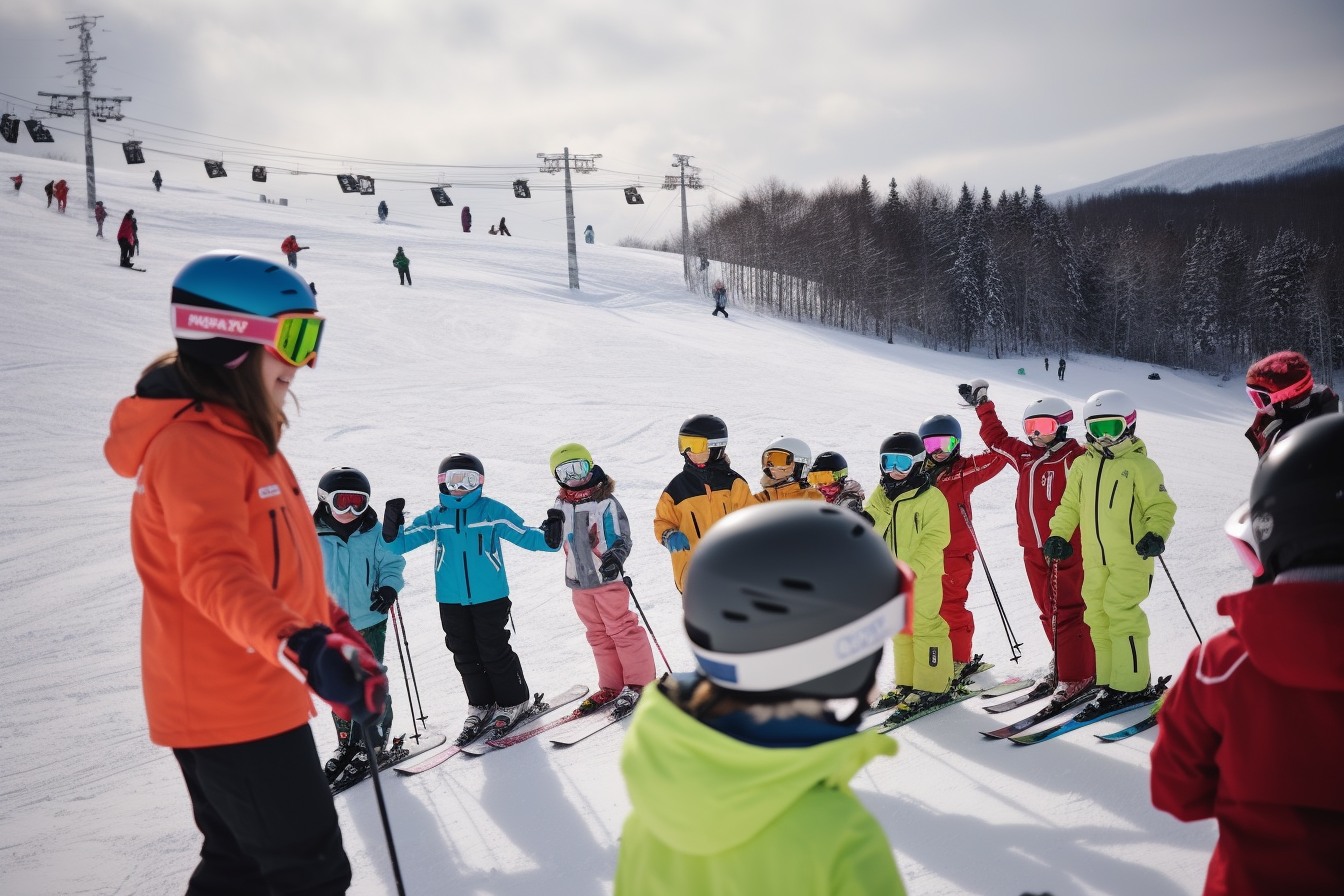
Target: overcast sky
<point>997,94</point>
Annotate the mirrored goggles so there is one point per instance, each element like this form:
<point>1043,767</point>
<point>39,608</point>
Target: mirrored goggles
<point>1040,426</point>
<point>293,338</point>
<point>1263,398</point>
<point>946,444</point>
<point>827,477</point>
<point>1107,427</point>
<point>460,480</point>
<point>348,501</point>
<point>777,457</point>
<point>698,444</point>
<point>1239,532</point>
<point>898,462</point>
<point>573,471</point>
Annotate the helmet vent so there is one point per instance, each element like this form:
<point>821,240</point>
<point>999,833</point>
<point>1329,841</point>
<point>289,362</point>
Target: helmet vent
<point>734,616</point>
<point>766,606</point>
<point>797,584</point>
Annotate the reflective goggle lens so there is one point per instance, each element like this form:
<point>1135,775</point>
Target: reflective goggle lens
<point>1107,427</point>
<point>573,471</point>
<point>297,339</point>
<point>1040,426</point>
<point>1260,398</point>
<point>349,502</point>
<point>1238,531</point>
<point>901,463</point>
<point>826,477</point>
<point>777,457</point>
<point>698,444</point>
<point>293,338</point>
<point>460,480</point>
<point>935,444</point>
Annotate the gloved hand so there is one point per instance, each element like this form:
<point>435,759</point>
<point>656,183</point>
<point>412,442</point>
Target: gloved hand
<point>610,566</point>
<point>384,596</point>
<point>393,518</point>
<point>676,540</point>
<point>1150,545</point>
<point>553,527</point>
<point>1056,548</point>
<point>340,671</point>
<point>975,392</point>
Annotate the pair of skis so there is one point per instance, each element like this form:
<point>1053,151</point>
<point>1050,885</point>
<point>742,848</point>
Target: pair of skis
<point>961,689</point>
<point>1017,732</point>
<point>395,756</point>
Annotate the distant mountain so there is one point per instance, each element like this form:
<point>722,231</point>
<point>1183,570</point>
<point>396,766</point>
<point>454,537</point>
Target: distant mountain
<point>1297,156</point>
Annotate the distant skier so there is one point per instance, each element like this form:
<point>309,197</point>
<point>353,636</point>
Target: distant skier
<point>466,219</point>
<point>18,182</point>
<point>720,299</point>
<point>1285,395</point>
<point>1061,370</point>
<point>158,180</point>
<point>50,189</point>
<point>382,211</point>
<point>588,236</point>
<point>403,266</point>
<point>1047,365</point>
<point>99,215</point>
<point>62,191</point>
<point>503,228</point>
<point>127,237</point>
<point>291,248</point>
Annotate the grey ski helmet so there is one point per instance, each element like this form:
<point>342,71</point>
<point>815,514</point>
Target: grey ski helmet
<point>793,599</point>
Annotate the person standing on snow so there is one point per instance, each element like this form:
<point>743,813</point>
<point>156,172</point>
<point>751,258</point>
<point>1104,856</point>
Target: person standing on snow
<point>18,182</point>
<point>127,237</point>
<point>403,266</point>
<point>1114,492</point>
<point>830,476</point>
<point>62,192</point>
<point>1285,394</point>
<point>503,228</point>
<point>382,210</point>
<point>588,236</point>
<point>1042,463</point>
<point>99,216</point>
<point>290,246</point>
<point>720,299</point>
<point>784,466</point>
<point>238,628</point>
<point>50,189</point>
<point>472,587</point>
<point>760,801</point>
<point>956,477</point>
<point>158,180</point>
<point>591,526</point>
<point>466,219</point>
<point>1060,368</point>
<point>1247,732</point>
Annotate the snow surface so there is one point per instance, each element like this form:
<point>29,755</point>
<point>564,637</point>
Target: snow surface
<point>490,352</point>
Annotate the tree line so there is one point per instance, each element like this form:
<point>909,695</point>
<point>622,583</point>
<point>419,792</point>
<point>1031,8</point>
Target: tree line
<point>1210,280</point>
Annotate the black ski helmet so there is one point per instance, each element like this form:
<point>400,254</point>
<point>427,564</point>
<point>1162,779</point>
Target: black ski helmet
<point>904,443</point>
<point>941,425</point>
<point>1297,498</point>
<point>341,479</point>
<point>831,462</point>
<point>793,599</point>
<point>708,426</point>
<point>459,461</point>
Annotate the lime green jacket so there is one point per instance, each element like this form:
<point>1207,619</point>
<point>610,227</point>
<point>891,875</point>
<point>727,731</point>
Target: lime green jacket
<point>1115,501</point>
<point>714,815</point>
<point>917,527</point>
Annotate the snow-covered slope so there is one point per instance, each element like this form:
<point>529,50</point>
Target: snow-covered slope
<point>1296,156</point>
<point>490,352</point>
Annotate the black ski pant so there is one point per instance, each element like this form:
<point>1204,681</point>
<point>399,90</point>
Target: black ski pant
<point>376,637</point>
<point>405,276</point>
<point>268,818</point>
<point>126,247</point>
<point>478,637</point>
<point>719,309</point>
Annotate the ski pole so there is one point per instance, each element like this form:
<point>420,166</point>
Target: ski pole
<point>404,677</point>
<point>630,586</point>
<point>1178,597</point>
<point>410,662</point>
<point>382,808</point>
<point>1013,643</point>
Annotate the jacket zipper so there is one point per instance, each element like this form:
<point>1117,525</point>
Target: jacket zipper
<point>1096,511</point>
<point>275,548</point>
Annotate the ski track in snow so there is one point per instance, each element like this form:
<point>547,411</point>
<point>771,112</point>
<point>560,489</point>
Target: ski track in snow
<point>490,352</point>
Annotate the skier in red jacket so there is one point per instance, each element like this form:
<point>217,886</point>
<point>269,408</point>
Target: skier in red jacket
<point>1042,463</point>
<point>1248,733</point>
<point>956,477</point>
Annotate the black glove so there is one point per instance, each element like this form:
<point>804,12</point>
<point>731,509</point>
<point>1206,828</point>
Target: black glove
<point>1150,545</point>
<point>384,596</point>
<point>1056,548</point>
<point>610,566</point>
<point>975,392</point>
<point>553,527</point>
<point>341,672</point>
<point>393,518</point>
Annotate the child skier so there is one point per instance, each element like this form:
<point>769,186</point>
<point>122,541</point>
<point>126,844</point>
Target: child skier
<point>956,477</point>
<point>1042,463</point>
<point>784,466</point>
<point>830,475</point>
<point>1115,494</point>
<point>704,492</point>
<point>739,774</point>
<point>912,518</point>
<point>472,587</point>
<point>596,538</point>
<point>363,576</point>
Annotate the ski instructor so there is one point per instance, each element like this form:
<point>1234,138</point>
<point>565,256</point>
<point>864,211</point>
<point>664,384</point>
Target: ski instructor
<point>238,627</point>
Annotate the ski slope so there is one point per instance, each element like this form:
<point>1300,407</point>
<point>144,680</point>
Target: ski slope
<point>490,352</point>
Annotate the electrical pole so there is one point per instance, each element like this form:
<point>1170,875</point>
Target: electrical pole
<point>684,181</point>
<point>107,106</point>
<point>552,163</point>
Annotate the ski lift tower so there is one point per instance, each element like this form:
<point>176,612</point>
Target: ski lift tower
<point>99,107</point>
<point>684,181</point>
<point>552,163</point>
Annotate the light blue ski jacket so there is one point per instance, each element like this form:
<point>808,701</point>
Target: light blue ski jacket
<point>357,567</point>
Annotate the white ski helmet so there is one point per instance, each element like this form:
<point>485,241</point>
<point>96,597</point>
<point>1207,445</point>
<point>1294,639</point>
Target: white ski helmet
<point>1110,403</point>
<point>1056,408</point>
<point>784,451</point>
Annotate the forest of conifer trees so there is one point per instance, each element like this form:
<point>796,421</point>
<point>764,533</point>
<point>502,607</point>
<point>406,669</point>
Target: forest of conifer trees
<point>1209,280</point>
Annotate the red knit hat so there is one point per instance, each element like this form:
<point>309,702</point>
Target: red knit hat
<point>1285,376</point>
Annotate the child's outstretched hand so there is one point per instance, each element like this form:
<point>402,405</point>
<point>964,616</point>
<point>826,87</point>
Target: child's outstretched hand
<point>553,527</point>
<point>393,518</point>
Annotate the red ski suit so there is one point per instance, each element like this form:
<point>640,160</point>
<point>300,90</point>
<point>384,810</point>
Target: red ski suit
<point>1248,736</point>
<point>1040,483</point>
<point>956,480</point>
